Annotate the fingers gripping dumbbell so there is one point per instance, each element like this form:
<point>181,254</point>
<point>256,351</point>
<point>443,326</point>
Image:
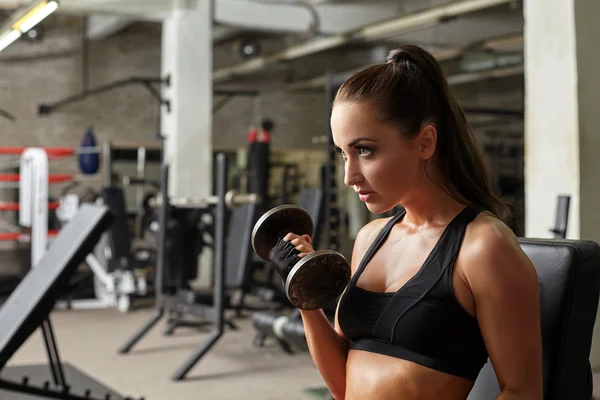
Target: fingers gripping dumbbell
<point>311,282</point>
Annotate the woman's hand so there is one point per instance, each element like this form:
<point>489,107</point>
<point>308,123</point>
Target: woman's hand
<point>301,243</point>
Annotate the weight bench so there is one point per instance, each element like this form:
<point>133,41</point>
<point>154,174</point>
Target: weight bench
<point>569,280</point>
<point>29,306</point>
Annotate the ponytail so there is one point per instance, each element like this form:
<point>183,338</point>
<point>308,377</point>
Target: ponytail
<point>411,90</point>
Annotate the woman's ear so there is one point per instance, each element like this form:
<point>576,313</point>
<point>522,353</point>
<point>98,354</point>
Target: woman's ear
<point>427,142</point>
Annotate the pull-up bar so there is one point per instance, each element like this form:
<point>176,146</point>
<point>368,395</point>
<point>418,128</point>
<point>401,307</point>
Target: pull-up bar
<point>49,108</point>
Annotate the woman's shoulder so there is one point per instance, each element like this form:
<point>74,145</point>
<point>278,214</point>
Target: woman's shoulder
<point>490,248</point>
<point>370,230</point>
<point>365,237</point>
<point>487,230</point>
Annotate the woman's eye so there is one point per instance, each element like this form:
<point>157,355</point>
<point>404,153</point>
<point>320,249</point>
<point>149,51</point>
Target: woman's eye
<point>363,151</point>
<point>360,151</point>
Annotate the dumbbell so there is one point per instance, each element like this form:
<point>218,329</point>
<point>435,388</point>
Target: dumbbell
<point>312,282</point>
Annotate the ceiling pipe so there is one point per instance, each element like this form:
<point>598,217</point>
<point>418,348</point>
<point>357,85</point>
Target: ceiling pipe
<point>440,54</point>
<point>494,73</point>
<point>469,77</point>
<point>378,30</point>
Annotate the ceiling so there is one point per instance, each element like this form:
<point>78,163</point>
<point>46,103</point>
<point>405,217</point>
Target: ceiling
<point>477,40</point>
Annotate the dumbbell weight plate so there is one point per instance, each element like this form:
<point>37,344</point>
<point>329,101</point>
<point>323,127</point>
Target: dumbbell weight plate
<point>276,223</point>
<point>317,280</point>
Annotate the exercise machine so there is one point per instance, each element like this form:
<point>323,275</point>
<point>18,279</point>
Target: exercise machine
<point>227,252</point>
<point>28,308</point>
<point>117,277</point>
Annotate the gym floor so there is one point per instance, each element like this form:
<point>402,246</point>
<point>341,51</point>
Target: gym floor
<point>233,369</point>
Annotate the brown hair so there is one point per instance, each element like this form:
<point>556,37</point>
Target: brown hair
<point>409,91</point>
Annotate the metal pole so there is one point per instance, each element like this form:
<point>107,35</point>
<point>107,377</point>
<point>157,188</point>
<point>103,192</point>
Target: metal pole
<point>162,230</point>
<point>160,263</point>
<point>219,279</point>
<point>107,150</point>
<point>219,244</point>
<point>331,207</point>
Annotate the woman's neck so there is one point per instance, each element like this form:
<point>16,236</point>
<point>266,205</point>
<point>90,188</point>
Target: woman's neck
<point>431,204</point>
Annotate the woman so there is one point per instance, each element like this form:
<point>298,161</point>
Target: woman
<point>442,285</point>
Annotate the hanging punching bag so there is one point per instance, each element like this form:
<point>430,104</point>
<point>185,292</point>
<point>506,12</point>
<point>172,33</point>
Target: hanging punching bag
<point>89,157</point>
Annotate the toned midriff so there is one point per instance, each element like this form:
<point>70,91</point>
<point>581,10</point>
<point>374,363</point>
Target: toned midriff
<point>379,377</point>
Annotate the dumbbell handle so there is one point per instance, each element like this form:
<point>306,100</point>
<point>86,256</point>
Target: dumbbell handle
<point>284,259</point>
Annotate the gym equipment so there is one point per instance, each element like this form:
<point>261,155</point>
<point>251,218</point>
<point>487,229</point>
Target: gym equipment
<point>328,172</point>
<point>49,108</point>
<point>286,329</point>
<point>233,199</point>
<point>51,151</point>
<point>258,173</point>
<point>311,200</point>
<point>89,162</point>
<point>290,181</point>
<point>313,281</point>
<point>119,271</point>
<point>33,213</point>
<point>16,206</point>
<point>28,308</point>
<point>54,178</point>
<point>562,217</point>
<point>33,199</point>
<point>230,257</point>
<point>140,154</point>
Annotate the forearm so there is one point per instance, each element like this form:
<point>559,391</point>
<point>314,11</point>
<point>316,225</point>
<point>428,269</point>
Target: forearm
<point>328,349</point>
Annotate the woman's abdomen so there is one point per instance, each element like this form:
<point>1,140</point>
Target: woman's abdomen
<point>379,377</point>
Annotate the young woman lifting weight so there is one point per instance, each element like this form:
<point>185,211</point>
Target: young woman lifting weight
<point>441,286</point>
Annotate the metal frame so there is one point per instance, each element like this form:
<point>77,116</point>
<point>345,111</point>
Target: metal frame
<point>330,190</point>
<point>49,108</point>
<point>561,223</point>
<point>61,389</point>
<point>216,313</point>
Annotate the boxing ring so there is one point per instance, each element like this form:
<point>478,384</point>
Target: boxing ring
<point>33,206</point>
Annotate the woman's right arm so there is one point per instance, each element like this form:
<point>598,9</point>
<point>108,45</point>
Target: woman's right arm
<point>329,350</point>
<point>327,344</point>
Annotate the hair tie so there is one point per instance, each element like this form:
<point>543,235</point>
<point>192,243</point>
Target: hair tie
<point>396,56</point>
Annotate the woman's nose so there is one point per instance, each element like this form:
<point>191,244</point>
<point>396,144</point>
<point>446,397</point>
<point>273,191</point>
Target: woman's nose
<point>351,174</point>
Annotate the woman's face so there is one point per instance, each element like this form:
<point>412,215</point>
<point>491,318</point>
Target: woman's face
<point>380,165</point>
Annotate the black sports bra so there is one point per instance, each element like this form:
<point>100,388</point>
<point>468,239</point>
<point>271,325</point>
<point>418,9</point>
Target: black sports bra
<point>421,322</point>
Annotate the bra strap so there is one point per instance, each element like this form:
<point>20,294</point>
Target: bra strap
<point>381,237</point>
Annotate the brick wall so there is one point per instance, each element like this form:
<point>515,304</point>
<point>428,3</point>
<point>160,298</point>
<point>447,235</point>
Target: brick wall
<point>52,70</point>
